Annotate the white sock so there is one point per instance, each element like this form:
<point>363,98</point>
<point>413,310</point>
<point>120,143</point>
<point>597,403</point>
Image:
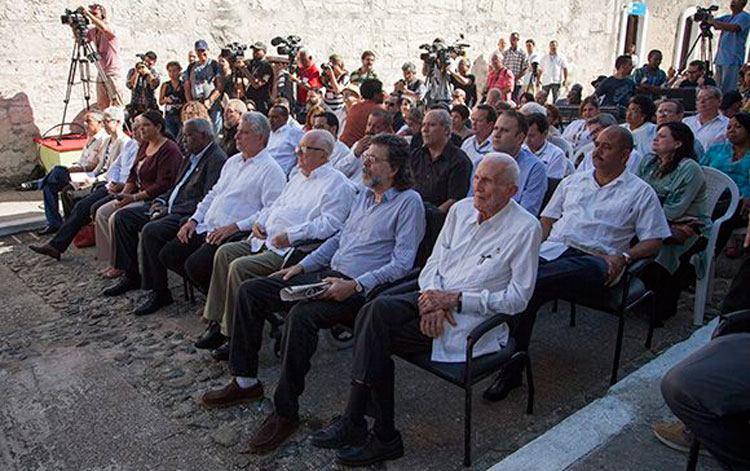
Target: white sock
<point>244,382</point>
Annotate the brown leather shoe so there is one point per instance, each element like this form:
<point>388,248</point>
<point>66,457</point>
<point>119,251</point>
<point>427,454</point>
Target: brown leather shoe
<point>232,394</point>
<point>47,250</point>
<point>273,432</point>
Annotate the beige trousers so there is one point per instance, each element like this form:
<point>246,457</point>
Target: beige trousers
<point>105,223</point>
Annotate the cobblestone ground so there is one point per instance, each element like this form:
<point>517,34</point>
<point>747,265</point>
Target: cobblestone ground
<point>88,386</point>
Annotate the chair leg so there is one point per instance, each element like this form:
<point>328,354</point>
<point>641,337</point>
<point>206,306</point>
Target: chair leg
<point>467,424</point>
<point>618,347</point>
<point>529,386</point>
<point>572,314</point>
<point>695,448</point>
<point>651,319</point>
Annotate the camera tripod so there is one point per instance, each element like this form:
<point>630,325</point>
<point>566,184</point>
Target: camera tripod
<point>533,79</point>
<point>706,38</point>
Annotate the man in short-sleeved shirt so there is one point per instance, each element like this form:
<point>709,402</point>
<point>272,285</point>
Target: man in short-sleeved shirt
<point>619,88</point>
<point>104,37</point>
<point>730,54</point>
<point>554,71</point>
<point>261,78</point>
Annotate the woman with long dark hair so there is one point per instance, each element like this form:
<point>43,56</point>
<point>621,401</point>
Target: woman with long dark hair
<point>678,180</point>
<point>153,173</point>
<point>639,116</point>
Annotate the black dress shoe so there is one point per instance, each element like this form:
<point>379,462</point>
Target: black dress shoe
<point>503,385</point>
<point>47,231</point>
<point>340,433</point>
<point>212,338</point>
<point>47,250</point>
<point>123,286</point>
<point>373,451</point>
<point>221,353</point>
<point>154,302</point>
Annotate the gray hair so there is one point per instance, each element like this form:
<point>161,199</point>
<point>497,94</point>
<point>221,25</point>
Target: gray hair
<point>510,171</point>
<point>201,125</point>
<point>494,93</point>
<point>324,138</point>
<point>237,104</point>
<point>715,91</point>
<point>444,118</point>
<point>533,107</point>
<point>409,66</point>
<point>112,112</point>
<point>258,124</point>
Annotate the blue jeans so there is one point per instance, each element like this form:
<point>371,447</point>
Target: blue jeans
<point>217,118</point>
<point>174,124</point>
<point>726,77</point>
<point>51,185</point>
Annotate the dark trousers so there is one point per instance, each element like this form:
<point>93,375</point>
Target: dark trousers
<point>154,237</point>
<point>737,221</point>
<point>710,392</point>
<point>384,326</point>
<point>738,296</point>
<point>79,217</point>
<point>554,88</point>
<point>572,274</point>
<point>52,184</point>
<point>257,300</point>
<point>128,225</point>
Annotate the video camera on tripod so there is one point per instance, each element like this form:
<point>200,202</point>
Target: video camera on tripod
<point>440,53</point>
<point>234,51</point>
<point>78,22</point>
<point>288,46</point>
<point>702,15</point>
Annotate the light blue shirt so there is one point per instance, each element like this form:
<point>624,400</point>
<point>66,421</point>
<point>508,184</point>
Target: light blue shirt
<point>120,169</point>
<point>378,242</point>
<point>194,160</point>
<point>731,50</point>
<point>281,145</point>
<point>532,182</point>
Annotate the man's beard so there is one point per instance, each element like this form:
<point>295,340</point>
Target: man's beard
<point>371,181</point>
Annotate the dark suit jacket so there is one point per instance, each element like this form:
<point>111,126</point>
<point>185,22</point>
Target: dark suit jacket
<point>200,181</point>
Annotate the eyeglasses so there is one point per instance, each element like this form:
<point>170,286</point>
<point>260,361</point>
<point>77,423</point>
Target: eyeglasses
<point>372,158</point>
<point>303,149</point>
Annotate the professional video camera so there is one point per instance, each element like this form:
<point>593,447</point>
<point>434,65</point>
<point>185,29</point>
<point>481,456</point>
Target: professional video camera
<point>77,20</point>
<point>288,46</point>
<point>439,52</point>
<point>234,51</point>
<point>704,14</point>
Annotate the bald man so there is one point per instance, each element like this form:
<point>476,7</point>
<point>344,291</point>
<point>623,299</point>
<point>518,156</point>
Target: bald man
<point>313,206</point>
<point>484,263</point>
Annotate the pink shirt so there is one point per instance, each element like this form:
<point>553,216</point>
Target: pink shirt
<point>501,80</point>
<point>108,48</point>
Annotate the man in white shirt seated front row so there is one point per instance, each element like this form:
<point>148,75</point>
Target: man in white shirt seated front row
<point>587,228</point>
<point>484,262</point>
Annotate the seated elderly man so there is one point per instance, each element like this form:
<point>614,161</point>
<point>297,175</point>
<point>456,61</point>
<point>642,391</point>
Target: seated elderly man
<point>378,244</point>
<point>584,160</point>
<point>284,138</point>
<point>587,229</point>
<point>233,112</point>
<point>510,133</point>
<point>556,164</point>
<point>708,124</point>
<point>249,182</point>
<point>313,206</point>
<point>197,175</point>
<point>441,170</point>
<point>484,263</point>
<point>111,175</point>
<point>379,122</point>
<point>672,111</point>
<point>59,177</point>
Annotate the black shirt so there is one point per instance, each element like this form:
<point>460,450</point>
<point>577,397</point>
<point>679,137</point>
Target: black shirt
<point>228,144</point>
<point>708,82</point>
<point>446,178</point>
<point>260,69</point>
<point>470,89</point>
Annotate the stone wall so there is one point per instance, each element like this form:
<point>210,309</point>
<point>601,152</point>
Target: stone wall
<point>37,46</point>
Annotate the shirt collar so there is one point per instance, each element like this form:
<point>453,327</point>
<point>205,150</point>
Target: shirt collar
<point>283,128</point>
<point>318,172</point>
<point>493,220</point>
<point>621,179</point>
<point>387,196</point>
<point>197,157</point>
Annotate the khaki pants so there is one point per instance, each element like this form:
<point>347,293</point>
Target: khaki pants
<point>234,263</point>
<point>105,223</point>
<point>108,92</point>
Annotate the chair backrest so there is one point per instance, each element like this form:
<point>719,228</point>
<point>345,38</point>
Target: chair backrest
<point>717,182</point>
<point>551,187</point>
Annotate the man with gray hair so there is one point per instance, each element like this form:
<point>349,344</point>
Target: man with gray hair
<point>708,124</point>
<point>312,207</point>
<point>484,263</point>
<point>410,85</point>
<point>249,182</point>
<point>441,170</point>
<point>198,173</point>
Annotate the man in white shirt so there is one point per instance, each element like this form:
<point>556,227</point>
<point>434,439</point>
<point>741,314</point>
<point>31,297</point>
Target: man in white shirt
<point>484,263</point>
<point>708,125</point>
<point>312,207</point>
<point>327,121</point>
<point>552,157</point>
<point>249,182</point>
<point>284,138</point>
<point>479,144</point>
<point>553,71</point>
<point>587,228</point>
<point>584,157</point>
<point>379,122</point>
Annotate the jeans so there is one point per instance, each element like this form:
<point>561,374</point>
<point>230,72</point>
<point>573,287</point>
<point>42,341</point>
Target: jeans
<point>174,124</point>
<point>217,118</point>
<point>51,185</point>
<point>555,89</point>
<point>726,77</point>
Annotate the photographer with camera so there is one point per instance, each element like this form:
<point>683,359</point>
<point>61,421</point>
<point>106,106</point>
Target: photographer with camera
<point>437,66</point>
<point>730,54</point>
<point>410,85</point>
<point>307,77</point>
<point>142,81</point>
<point>261,78</point>
<point>200,83</point>
<point>335,78</point>
<point>234,79</point>
<point>499,77</point>
<point>103,36</point>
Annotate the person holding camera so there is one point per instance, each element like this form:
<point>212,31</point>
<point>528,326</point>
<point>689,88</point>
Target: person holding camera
<point>103,36</point>
<point>437,67</point>
<point>261,78</point>
<point>200,84</point>
<point>335,78</point>
<point>306,78</point>
<point>463,80</point>
<point>499,77</point>
<point>730,54</point>
<point>142,81</point>
<point>410,85</point>
<point>172,98</point>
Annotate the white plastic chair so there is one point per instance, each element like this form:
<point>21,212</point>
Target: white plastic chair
<point>717,182</point>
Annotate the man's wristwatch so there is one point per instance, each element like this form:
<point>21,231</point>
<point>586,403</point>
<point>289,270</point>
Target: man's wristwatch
<point>459,305</point>
<point>358,287</point>
<point>627,258</point>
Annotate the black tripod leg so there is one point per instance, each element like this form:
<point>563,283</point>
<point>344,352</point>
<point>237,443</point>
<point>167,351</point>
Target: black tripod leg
<point>71,81</point>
